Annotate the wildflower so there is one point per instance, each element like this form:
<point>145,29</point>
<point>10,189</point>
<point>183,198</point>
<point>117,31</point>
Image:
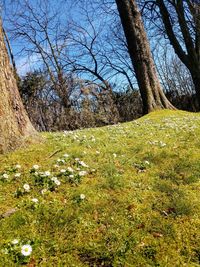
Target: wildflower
<point>26,187</point>
<point>5,175</point>
<point>82,196</point>
<point>63,171</point>
<point>97,152</point>
<point>26,250</point>
<point>35,200</point>
<point>77,159</point>
<point>65,155</point>
<point>17,175</point>
<point>114,155</point>
<point>146,162</point>
<point>82,173</point>
<point>56,166</point>
<point>71,176</point>
<point>47,173</point>
<point>15,241</point>
<point>57,182</point>
<point>70,169</point>
<point>18,166</point>
<point>83,164</point>
<point>35,167</point>
<point>162,144</point>
<point>44,191</point>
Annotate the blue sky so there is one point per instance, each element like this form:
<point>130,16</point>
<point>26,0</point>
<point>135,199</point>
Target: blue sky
<point>26,63</point>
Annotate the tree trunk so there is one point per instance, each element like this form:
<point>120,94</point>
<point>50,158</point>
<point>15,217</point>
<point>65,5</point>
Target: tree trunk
<point>153,97</point>
<point>196,81</point>
<point>14,121</point>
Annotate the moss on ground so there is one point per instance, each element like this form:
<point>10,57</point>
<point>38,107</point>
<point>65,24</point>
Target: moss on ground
<point>136,203</point>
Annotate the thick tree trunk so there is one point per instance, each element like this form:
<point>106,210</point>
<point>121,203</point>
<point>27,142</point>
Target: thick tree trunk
<point>151,91</point>
<point>14,121</point>
<point>196,81</point>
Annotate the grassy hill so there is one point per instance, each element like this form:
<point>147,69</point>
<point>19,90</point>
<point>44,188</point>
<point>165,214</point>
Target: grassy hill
<point>124,195</point>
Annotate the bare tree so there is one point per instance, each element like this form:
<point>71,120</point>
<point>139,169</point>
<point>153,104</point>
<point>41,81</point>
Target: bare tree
<point>180,22</point>
<point>152,95</point>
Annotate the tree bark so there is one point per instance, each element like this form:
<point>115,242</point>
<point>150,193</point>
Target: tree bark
<point>15,125</point>
<point>153,97</point>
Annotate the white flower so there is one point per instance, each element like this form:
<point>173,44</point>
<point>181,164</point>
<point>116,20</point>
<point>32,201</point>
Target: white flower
<point>83,164</point>
<point>71,176</point>
<point>97,152</point>
<point>35,167</point>
<point>65,155</point>
<point>35,200</point>
<point>17,175</point>
<point>18,166</point>
<point>15,241</point>
<point>26,250</point>
<point>47,173</point>
<point>56,166</point>
<point>82,196</point>
<point>5,175</point>
<point>147,162</point>
<point>77,159</point>
<point>63,171</point>
<point>26,187</point>
<point>114,155</point>
<point>57,182</point>
<point>82,173</point>
<point>70,169</point>
<point>162,144</point>
<point>54,178</point>
<point>44,191</point>
<point>58,160</point>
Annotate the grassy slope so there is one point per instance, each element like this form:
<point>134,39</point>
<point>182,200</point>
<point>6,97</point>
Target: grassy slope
<point>134,213</point>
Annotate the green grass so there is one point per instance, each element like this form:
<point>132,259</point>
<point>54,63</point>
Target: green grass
<point>142,196</point>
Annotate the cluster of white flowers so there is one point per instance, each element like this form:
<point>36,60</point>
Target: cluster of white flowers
<point>157,143</point>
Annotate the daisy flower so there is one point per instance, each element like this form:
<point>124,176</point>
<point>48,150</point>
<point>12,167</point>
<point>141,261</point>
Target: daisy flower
<point>5,175</point>
<point>17,175</point>
<point>82,196</point>
<point>35,200</point>
<point>15,241</point>
<point>26,250</point>
<point>35,167</point>
<point>26,187</point>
